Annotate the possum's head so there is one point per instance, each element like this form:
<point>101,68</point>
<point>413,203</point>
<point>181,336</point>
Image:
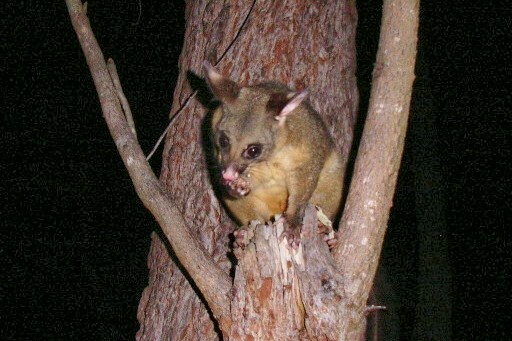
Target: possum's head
<point>247,124</point>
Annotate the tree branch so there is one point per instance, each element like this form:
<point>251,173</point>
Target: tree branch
<point>370,197</point>
<point>213,283</point>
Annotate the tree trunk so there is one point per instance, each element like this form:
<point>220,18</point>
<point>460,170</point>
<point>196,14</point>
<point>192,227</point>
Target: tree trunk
<point>323,294</point>
<point>301,43</point>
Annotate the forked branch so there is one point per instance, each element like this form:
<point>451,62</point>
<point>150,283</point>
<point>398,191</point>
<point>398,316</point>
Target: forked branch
<point>213,283</point>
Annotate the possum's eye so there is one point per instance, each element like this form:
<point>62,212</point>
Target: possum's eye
<point>223,140</point>
<point>252,152</point>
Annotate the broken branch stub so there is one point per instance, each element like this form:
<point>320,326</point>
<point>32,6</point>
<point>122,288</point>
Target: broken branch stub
<point>281,293</point>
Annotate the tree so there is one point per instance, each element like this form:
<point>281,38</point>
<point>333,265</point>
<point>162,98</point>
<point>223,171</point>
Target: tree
<point>191,295</point>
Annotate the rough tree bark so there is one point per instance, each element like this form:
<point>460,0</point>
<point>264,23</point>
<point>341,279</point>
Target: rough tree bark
<point>313,45</point>
<point>301,43</point>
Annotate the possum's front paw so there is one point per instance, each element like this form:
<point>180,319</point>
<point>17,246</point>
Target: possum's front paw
<point>238,187</point>
<point>243,236</point>
<point>291,232</point>
<point>330,236</point>
<point>325,228</point>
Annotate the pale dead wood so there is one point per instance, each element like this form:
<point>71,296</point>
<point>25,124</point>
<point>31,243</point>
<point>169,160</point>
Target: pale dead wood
<point>372,188</point>
<point>284,294</point>
<point>213,282</point>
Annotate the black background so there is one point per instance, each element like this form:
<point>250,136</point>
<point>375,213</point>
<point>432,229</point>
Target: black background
<point>74,237</point>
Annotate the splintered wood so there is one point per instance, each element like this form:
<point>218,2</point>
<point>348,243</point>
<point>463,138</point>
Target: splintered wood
<point>281,293</point>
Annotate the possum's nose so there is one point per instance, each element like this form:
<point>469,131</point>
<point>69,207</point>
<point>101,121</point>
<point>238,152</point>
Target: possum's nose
<point>232,172</point>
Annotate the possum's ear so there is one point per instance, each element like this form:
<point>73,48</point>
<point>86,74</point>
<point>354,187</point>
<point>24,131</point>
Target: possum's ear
<point>286,104</point>
<point>222,87</point>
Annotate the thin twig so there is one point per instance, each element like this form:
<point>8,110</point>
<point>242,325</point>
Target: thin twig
<point>112,70</point>
<point>169,125</point>
<point>372,308</point>
<point>237,35</point>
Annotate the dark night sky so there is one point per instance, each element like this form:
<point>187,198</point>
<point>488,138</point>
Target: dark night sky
<point>74,237</point>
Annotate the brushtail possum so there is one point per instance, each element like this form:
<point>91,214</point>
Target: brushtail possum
<point>275,152</point>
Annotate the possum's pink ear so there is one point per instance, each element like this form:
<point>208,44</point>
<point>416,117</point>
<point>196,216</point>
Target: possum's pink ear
<point>294,99</point>
<point>222,87</point>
